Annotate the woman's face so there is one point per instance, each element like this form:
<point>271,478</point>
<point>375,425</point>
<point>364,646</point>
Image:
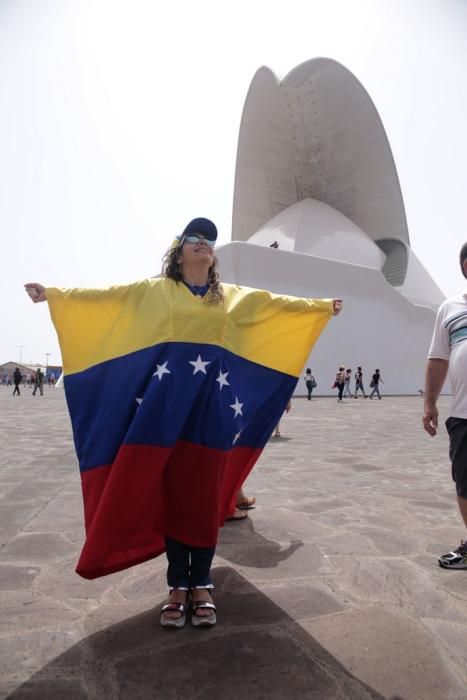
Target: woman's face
<point>194,253</point>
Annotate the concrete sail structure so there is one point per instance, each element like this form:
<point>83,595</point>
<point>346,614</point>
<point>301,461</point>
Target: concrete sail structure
<point>315,174</point>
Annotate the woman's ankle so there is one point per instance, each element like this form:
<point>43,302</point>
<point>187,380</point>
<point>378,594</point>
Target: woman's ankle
<point>201,594</point>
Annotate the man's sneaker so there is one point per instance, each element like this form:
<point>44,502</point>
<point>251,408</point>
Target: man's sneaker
<point>457,559</point>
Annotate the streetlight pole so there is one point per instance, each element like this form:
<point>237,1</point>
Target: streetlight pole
<point>47,354</point>
<point>20,352</point>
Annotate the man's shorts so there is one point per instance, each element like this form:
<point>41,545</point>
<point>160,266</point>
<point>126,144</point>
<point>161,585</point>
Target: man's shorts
<point>457,429</point>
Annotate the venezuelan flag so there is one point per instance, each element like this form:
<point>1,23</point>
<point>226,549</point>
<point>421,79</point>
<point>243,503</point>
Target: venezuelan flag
<point>171,402</point>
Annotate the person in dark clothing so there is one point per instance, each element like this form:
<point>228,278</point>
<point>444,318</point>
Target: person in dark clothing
<point>310,382</point>
<point>359,382</point>
<point>375,380</point>
<point>339,384</point>
<point>38,383</point>
<point>17,377</point>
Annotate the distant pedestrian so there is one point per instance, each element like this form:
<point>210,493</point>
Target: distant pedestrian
<point>359,382</point>
<point>374,384</point>
<point>17,377</point>
<point>347,378</point>
<point>39,382</point>
<point>310,382</point>
<point>339,382</point>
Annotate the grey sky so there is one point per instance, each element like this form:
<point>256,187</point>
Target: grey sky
<point>119,123</point>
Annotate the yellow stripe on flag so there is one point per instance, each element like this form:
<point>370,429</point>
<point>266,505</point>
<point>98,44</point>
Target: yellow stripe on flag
<point>95,325</point>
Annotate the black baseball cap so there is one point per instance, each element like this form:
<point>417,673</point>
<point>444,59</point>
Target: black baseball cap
<point>205,227</point>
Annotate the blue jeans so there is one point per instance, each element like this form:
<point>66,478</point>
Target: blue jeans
<point>375,391</point>
<point>358,386</point>
<point>189,567</point>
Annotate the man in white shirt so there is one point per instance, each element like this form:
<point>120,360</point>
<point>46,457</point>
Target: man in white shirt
<point>448,351</point>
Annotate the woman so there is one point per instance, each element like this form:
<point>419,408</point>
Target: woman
<point>192,375</point>
<point>310,382</point>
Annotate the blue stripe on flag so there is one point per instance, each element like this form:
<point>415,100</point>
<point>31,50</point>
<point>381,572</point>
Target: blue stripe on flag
<point>174,391</point>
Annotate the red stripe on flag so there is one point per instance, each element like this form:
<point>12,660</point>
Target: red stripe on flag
<point>185,492</point>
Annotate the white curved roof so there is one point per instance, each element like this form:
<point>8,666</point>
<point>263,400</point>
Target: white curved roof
<point>315,228</point>
<point>315,135</point>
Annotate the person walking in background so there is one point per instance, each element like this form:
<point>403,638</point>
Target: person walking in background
<point>310,382</point>
<point>448,351</point>
<point>17,377</point>
<point>340,382</point>
<point>347,378</point>
<point>374,384</point>
<point>359,382</point>
<point>39,382</point>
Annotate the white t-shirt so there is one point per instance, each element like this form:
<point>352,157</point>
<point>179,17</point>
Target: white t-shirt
<point>449,342</point>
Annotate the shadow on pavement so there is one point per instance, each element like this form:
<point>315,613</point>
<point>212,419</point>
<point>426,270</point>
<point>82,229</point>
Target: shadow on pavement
<point>240,544</point>
<point>255,651</point>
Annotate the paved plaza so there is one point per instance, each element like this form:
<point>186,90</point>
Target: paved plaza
<point>330,589</point>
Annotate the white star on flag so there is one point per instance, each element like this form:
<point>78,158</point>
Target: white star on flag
<point>237,407</point>
<point>222,379</point>
<point>139,400</point>
<point>236,437</point>
<point>199,365</point>
<point>161,370</point>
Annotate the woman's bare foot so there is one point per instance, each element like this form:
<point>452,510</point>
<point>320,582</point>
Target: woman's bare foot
<point>245,501</point>
<point>238,515</point>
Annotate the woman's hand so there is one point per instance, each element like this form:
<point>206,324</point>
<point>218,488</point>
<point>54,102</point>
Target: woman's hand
<point>36,291</point>
<point>337,305</point>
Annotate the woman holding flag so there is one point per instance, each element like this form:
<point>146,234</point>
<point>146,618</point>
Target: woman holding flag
<point>174,385</point>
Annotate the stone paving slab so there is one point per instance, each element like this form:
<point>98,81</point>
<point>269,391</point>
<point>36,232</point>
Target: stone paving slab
<point>330,590</point>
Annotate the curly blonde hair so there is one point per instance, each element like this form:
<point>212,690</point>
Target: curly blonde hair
<point>172,269</point>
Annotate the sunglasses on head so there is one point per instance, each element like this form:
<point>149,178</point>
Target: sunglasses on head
<point>197,237</point>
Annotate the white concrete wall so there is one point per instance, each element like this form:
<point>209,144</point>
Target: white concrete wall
<point>315,134</point>
<point>419,286</point>
<point>315,228</point>
<point>378,327</point>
